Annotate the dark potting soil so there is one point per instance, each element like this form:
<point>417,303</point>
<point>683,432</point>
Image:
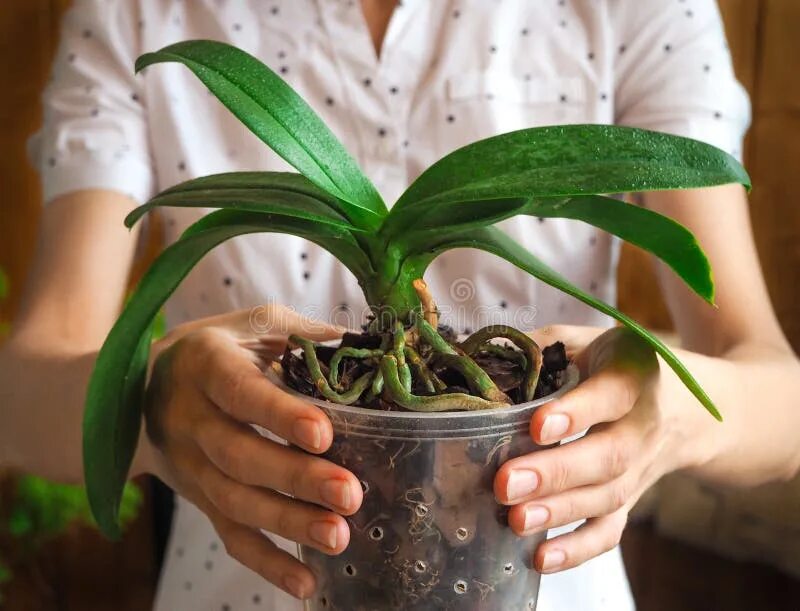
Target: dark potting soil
<point>506,373</point>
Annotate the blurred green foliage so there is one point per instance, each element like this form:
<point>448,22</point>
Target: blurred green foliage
<point>41,510</point>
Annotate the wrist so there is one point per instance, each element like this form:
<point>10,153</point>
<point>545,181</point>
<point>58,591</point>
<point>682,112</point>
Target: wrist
<point>697,438</point>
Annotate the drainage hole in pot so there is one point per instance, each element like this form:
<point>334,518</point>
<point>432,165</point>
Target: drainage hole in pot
<point>349,570</point>
<point>508,569</point>
<point>364,485</point>
<point>460,586</point>
<point>462,533</point>
<point>421,510</point>
<point>323,601</point>
<point>376,533</point>
<point>420,566</point>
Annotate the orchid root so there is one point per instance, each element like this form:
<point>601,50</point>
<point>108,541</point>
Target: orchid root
<point>533,354</point>
<point>438,403</point>
<point>355,353</point>
<point>317,377</point>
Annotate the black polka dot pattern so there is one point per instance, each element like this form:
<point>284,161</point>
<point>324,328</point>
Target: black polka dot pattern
<point>206,561</point>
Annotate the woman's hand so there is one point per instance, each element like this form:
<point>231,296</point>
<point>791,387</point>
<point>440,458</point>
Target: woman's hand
<point>635,436</point>
<point>207,389</point>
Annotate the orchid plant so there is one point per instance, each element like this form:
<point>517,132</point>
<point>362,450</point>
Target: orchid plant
<point>561,171</point>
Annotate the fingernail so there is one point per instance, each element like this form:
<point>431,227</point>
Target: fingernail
<point>295,586</point>
<point>553,559</point>
<point>308,432</point>
<point>553,427</point>
<point>535,516</point>
<point>521,482</point>
<point>324,533</point>
<point>336,492</point>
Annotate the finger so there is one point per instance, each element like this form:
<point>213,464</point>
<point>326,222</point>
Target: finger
<point>274,512</point>
<point>255,551</point>
<point>574,337</point>
<point>229,378</point>
<point>618,364</point>
<point>599,457</point>
<point>605,397</point>
<point>245,456</point>
<point>596,536</point>
<point>581,503</point>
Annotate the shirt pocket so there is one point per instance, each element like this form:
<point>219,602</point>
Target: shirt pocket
<point>495,101</point>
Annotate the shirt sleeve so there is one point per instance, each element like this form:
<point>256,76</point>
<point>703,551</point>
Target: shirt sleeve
<point>673,72</point>
<point>94,134</point>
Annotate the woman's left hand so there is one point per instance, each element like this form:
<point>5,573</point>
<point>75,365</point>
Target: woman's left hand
<point>633,439</point>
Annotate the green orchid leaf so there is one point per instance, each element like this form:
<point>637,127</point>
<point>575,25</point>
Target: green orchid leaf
<point>112,416</point>
<point>111,430</point>
<point>284,193</point>
<point>659,235</point>
<point>565,161</point>
<point>275,113</point>
<point>492,240</point>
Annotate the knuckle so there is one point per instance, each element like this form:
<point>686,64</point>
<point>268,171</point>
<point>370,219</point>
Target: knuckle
<point>619,495</point>
<point>294,475</point>
<point>617,459</point>
<point>230,459</point>
<point>567,511</point>
<point>228,501</point>
<point>233,383</point>
<point>196,349</point>
<point>284,523</point>
<point>269,409</point>
<point>558,476</point>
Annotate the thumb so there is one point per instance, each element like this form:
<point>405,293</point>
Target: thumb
<point>574,337</point>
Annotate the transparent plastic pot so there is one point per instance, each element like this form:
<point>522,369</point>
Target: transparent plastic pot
<point>429,533</point>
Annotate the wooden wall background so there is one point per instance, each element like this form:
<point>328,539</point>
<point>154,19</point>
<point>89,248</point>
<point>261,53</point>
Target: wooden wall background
<point>765,41</point>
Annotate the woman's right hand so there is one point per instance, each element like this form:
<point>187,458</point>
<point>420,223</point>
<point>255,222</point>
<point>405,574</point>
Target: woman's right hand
<point>206,390</point>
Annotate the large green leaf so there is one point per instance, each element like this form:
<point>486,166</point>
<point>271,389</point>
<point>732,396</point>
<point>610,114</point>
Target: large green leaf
<point>660,235</point>
<point>569,160</point>
<point>272,192</point>
<point>112,417</point>
<point>491,239</point>
<point>281,118</point>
